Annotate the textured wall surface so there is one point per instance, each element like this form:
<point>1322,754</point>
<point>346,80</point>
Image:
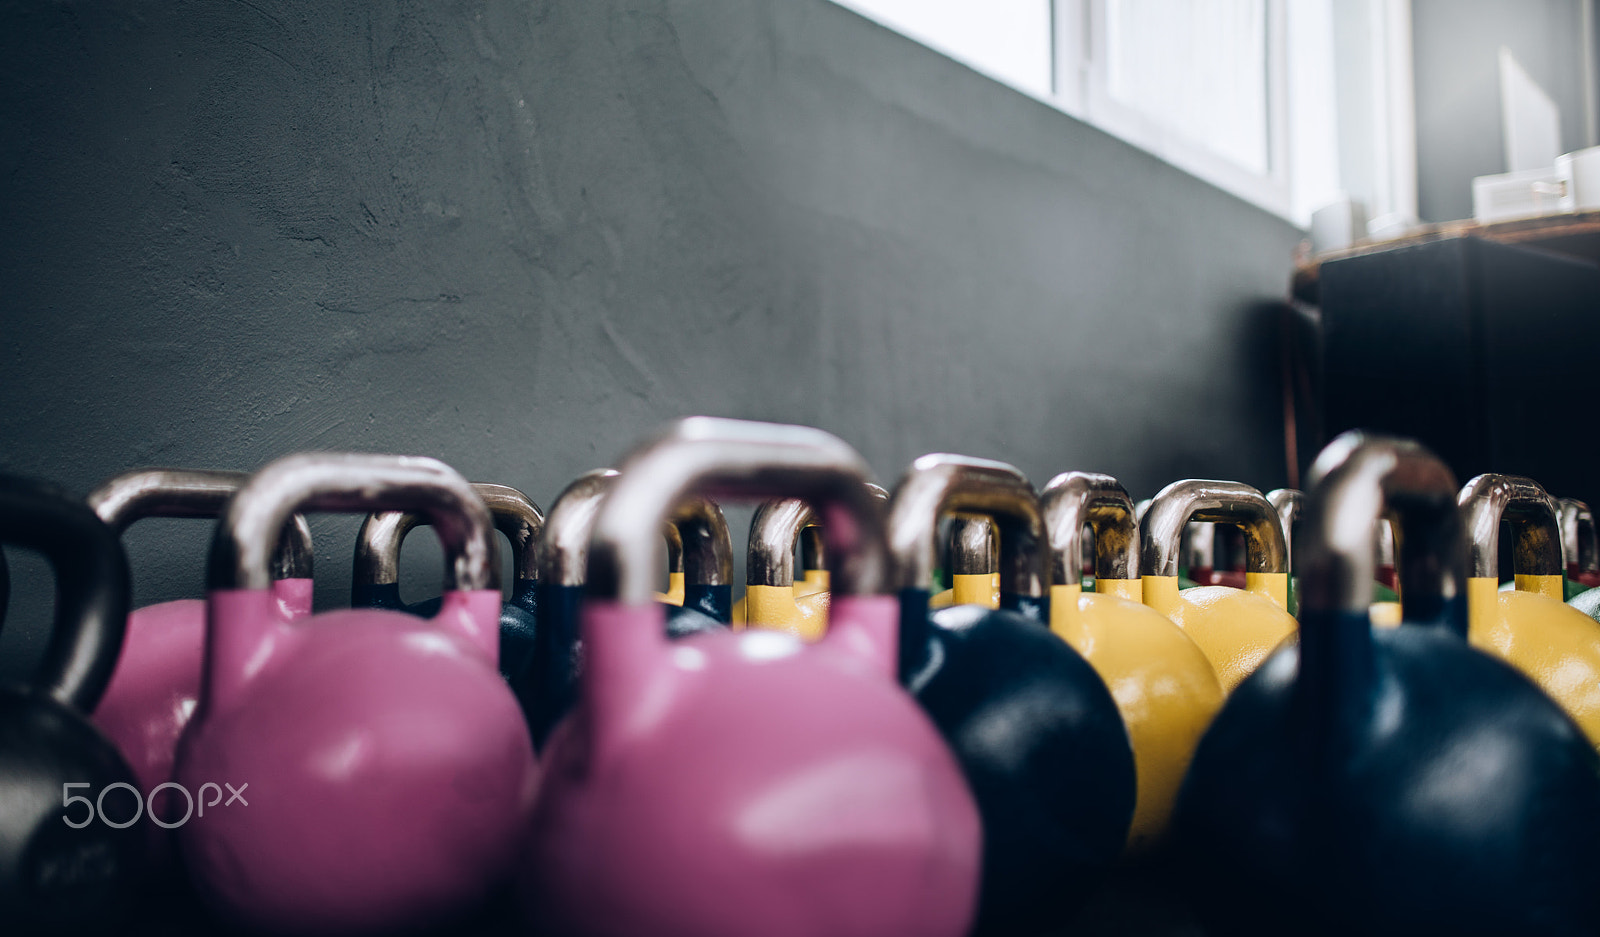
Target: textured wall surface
<point>517,235</point>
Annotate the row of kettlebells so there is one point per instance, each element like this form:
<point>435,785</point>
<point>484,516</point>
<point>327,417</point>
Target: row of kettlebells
<point>913,771</point>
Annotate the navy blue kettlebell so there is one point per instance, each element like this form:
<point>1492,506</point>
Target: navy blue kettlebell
<point>70,852</point>
<point>377,569</point>
<point>1036,730</point>
<point>549,685</point>
<point>1389,781</point>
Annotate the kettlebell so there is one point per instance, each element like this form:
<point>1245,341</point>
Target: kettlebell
<point>769,528</point>
<point>1036,730</point>
<point>1186,554</point>
<point>376,569</point>
<point>156,684</point>
<point>1235,628</point>
<point>1288,502</point>
<point>1389,781</point>
<point>1557,646</point>
<point>1164,686</point>
<point>972,558</point>
<point>549,686</point>
<point>389,771</point>
<point>813,561</point>
<point>674,593</point>
<point>1580,546</point>
<point>1199,554</point>
<point>770,593</point>
<point>734,784</point>
<point>62,872</point>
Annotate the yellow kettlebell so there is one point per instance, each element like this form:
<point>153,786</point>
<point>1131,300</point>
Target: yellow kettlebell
<point>813,563</point>
<point>1532,628</point>
<point>813,558</point>
<point>1236,628</point>
<point>1165,687</point>
<point>974,564</point>
<point>769,593</point>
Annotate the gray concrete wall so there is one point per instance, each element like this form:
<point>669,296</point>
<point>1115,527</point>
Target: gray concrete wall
<point>517,235</point>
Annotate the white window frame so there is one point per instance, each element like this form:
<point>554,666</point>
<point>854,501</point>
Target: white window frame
<point>1081,89</point>
<point>1080,76</point>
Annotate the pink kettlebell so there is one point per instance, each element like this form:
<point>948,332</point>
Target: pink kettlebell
<point>156,684</point>
<point>389,773</point>
<point>736,784</point>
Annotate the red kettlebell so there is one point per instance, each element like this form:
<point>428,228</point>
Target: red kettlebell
<point>156,685</point>
<point>388,769</point>
<point>735,784</point>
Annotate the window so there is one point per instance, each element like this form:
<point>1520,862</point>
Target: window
<point>1290,104</point>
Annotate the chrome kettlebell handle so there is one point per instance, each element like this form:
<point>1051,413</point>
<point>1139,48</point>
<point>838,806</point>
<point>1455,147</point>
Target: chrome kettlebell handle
<point>1073,499</point>
<point>971,545</point>
<point>1577,533</point>
<point>674,547</point>
<point>943,483</point>
<point>564,542</point>
<point>350,483</point>
<point>1221,502</point>
<point>742,459</point>
<point>378,542</point>
<point>706,547</point>
<point>1490,498</point>
<point>1357,481</point>
<point>776,526</point>
<point>193,493</point>
<point>1289,503</point>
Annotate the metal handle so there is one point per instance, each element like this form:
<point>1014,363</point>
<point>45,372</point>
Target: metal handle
<point>706,544</point>
<point>1221,502</point>
<point>943,483</point>
<point>350,482</point>
<point>1580,544</point>
<point>1488,499</point>
<point>777,524</point>
<point>123,499</point>
<point>1357,480</point>
<point>383,534</point>
<point>780,521</point>
<point>674,547</point>
<point>1289,503</point>
<point>1074,499</point>
<point>735,458</point>
<point>972,546</point>
<point>92,587</point>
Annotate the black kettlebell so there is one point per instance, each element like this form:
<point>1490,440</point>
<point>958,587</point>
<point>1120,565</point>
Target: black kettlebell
<point>1389,781</point>
<point>1037,732</point>
<point>549,685</point>
<point>377,569</point>
<point>59,874</point>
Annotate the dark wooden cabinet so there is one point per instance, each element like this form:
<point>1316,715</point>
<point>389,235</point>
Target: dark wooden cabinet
<point>1488,352</point>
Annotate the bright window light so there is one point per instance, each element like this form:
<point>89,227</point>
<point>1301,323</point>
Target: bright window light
<point>1288,104</point>
<point>1197,66</point>
<point>1005,39</point>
